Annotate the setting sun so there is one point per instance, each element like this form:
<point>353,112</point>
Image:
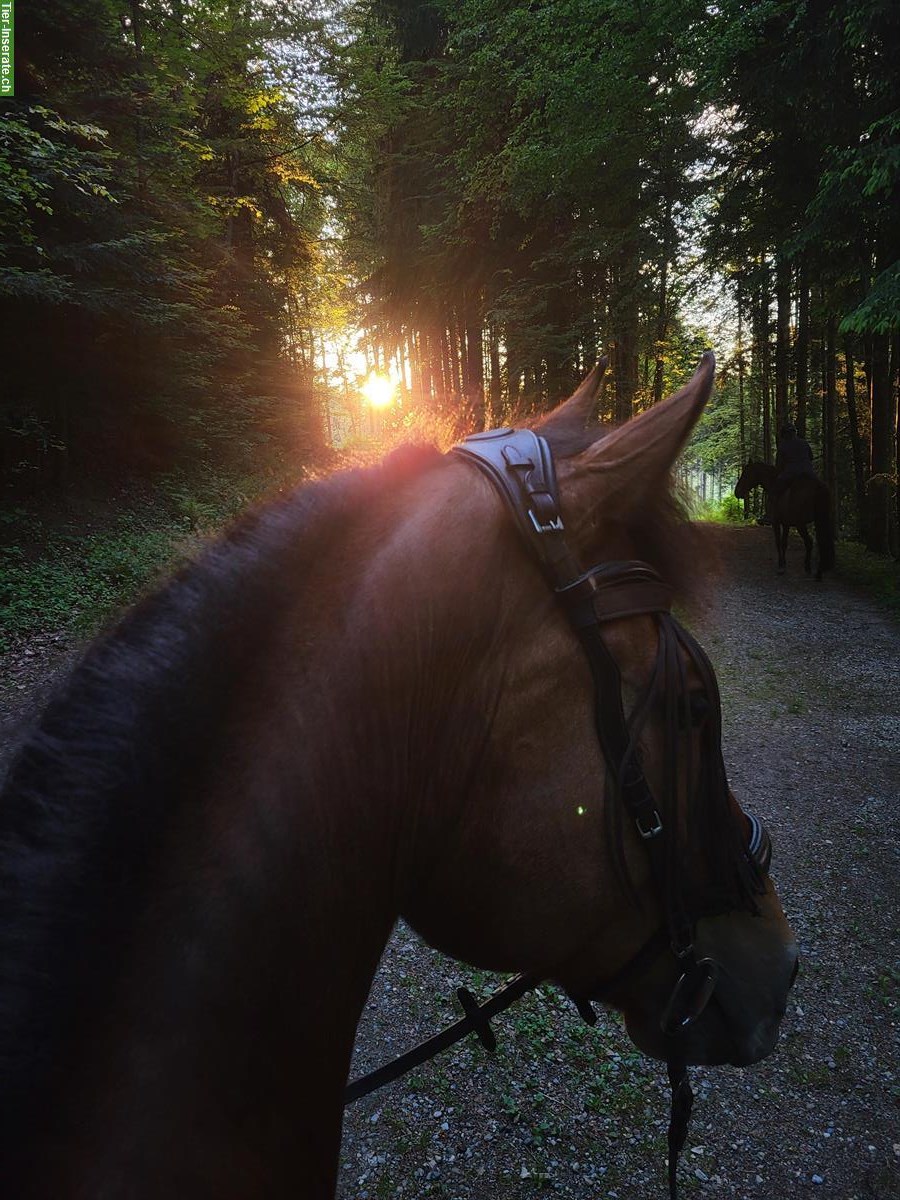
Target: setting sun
<point>379,390</point>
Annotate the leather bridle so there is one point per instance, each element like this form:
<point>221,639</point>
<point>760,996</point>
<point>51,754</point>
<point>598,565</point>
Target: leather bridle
<point>519,464</point>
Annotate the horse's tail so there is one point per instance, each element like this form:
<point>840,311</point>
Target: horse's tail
<point>824,528</point>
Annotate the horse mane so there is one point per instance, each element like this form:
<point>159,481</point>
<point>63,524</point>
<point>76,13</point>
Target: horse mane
<point>85,803</point>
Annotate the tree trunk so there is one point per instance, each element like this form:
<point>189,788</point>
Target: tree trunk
<point>829,407</point>
<point>625,327</point>
<point>782,340</point>
<point>457,350</point>
<point>741,411</point>
<point>857,449</point>
<point>513,372</point>
<point>474,361</point>
<point>495,393</point>
<point>446,378</point>
<point>882,448</point>
<point>426,367</point>
<point>625,355</point>
<point>895,415</point>
<point>588,305</point>
<point>802,356</point>
<point>762,359</point>
<point>446,365</point>
<point>662,318</point>
<point>137,29</point>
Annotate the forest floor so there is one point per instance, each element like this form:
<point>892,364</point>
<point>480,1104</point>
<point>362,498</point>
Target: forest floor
<point>811,694</point>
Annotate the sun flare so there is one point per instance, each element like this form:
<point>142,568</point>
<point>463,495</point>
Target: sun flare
<point>379,390</point>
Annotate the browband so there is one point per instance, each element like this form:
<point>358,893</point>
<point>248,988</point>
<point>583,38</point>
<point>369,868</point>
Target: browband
<point>519,463</point>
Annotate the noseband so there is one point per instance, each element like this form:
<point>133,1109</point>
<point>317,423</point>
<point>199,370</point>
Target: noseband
<point>519,465</point>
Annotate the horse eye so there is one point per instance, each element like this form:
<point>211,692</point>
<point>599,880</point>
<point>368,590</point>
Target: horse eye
<point>698,708</point>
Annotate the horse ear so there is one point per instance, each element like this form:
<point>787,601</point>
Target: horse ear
<point>573,414</point>
<point>637,457</point>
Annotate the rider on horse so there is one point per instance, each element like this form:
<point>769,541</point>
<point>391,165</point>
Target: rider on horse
<point>793,460</point>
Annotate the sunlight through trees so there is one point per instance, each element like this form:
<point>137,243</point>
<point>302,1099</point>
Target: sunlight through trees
<point>221,220</point>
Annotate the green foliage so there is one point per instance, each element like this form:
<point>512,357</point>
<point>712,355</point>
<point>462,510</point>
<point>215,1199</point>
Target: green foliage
<point>879,312</point>
<point>159,202</point>
<point>79,578</point>
<point>729,510</point>
<point>37,156</point>
<point>79,583</point>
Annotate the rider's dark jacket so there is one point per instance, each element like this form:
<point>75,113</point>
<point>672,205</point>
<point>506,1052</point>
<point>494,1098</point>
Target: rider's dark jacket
<point>794,458</point>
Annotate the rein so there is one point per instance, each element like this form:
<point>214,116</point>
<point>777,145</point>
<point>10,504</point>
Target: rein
<point>519,464</point>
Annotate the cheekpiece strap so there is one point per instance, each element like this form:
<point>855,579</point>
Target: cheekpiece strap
<point>519,464</point>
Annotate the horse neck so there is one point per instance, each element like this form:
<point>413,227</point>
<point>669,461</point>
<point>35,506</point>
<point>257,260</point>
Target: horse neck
<point>220,1066</point>
<point>223,1057</point>
<point>211,1047</point>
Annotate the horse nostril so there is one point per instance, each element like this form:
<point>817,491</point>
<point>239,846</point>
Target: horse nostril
<point>795,971</point>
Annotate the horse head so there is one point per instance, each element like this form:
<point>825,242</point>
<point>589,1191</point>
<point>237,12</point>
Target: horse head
<point>538,865</point>
<point>752,475</point>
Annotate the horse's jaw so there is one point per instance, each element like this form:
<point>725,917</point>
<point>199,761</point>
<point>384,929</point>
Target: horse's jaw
<point>716,1040</point>
<point>756,957</point>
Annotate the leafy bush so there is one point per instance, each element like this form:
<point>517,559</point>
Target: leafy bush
<point>728,510</point>
<point>76,584</point>
<point>731,508</point>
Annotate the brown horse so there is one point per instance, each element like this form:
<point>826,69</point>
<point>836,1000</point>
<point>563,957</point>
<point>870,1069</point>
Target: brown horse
<point>804,501</point>
<point>363,702</point>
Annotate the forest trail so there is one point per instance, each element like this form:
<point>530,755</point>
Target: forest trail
<point>811,696</point>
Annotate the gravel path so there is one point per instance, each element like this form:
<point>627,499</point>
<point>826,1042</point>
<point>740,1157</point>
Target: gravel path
<point>811,690</point>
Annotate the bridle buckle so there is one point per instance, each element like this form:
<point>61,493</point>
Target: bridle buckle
<point>554,525</point>
<point>656,826</point>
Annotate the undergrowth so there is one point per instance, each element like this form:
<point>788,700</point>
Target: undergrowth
<point>878,574</point>
<point>727,511</point>
<point>64,576</point>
